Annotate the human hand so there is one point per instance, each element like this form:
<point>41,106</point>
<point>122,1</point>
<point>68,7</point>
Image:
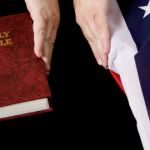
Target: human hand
<point>92,17</point>
<point>45,15</point>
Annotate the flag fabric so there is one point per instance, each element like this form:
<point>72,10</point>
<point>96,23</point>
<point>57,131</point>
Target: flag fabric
<point>129,59</point>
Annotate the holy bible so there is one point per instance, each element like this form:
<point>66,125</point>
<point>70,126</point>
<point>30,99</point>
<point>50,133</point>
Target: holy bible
<point>24,88</point>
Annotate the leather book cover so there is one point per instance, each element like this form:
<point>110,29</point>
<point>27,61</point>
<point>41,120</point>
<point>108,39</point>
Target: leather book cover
<point>22,75</point>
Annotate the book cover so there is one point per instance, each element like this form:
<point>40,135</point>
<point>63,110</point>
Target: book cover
<point>24,86</point>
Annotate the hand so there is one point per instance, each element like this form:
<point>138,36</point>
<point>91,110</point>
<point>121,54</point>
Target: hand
<point>45,15</point>
<point>92,17</point>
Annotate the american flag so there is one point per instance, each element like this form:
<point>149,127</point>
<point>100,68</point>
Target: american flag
<point>129,59</point>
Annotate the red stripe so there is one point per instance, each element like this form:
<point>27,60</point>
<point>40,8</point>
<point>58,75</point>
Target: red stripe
<point>117,79</point>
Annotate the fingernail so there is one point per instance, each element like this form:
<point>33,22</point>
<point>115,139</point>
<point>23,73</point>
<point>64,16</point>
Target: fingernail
<point>47,72</point>
<point>48,67</point>
<point>100,62</point>
<point>106,67</point>
<point>38,53</point>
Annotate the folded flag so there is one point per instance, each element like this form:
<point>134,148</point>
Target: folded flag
<point>129,58</point>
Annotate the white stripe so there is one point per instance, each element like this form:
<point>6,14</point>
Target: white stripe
<point>121,60</point>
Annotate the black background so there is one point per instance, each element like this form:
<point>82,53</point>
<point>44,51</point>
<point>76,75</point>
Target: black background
<point>89,107</point>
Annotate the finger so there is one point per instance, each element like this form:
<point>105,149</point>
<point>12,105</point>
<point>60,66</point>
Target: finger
<point>100,53</point>
<point>88,29</point>
<point>96,53</point>
<point>48,46</point>
<point>103,38</point>
<point>103,45</point>
<point>92,27</point>
<point>103,54</point>
<point>90,34</point>
<point>39,28</point>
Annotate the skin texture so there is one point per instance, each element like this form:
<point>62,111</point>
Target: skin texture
<point>46,17</point>
<point>92,17</point>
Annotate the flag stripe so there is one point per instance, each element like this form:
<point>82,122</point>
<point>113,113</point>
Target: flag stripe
<point>122,62</point>
<point>138,26</point>
<point>118,80</point>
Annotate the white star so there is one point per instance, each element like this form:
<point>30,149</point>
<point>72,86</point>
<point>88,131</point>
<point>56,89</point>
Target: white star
<point>146,9</point>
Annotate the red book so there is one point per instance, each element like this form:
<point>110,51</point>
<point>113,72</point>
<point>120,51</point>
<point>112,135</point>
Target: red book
<point>24,87</point>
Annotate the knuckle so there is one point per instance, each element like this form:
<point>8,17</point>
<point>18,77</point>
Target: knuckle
<point>53,17</point>
<point>80,19</point>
